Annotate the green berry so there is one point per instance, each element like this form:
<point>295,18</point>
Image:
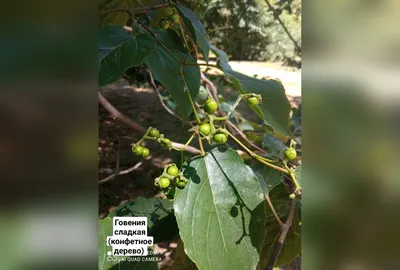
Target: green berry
<point>138,150</point>
<point>220,138</point>
<point>210,106</point>
<point>253,101</point>
<point>146,152</point>
<point>205,129</point>
<point>166,143</point>
<point>179,183</point>
<point>164,182</point>
<point>175,18</point>
<point>168,12</point>
<point>290,153</point>
<point>154,132</point>
<point>173,170</point>
<point>164,24</point>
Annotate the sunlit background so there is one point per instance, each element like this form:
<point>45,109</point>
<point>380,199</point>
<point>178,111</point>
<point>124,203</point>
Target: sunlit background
<point>351,118</point>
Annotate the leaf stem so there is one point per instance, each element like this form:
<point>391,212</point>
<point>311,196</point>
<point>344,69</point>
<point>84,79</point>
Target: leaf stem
<point>293,177</point>
<point>188,92</point>
<point>259,158</point>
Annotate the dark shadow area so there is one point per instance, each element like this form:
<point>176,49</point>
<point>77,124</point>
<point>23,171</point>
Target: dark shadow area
<point>161,219</point>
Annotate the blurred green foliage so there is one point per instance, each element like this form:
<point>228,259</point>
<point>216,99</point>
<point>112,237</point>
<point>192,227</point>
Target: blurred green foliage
<point>247,29</point>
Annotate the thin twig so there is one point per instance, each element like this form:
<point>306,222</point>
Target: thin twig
<point>268,200</point>
<point>114,175</point>
<point>283,25</point>
<point>161,99</point>
<point>244,137</point>
<point>285,228</point>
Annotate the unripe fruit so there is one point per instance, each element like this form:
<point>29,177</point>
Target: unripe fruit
<point>164,24</point>
<point>166,143</point>
<point>173,171</point>
<point>168,12</point>
<point>154,132</point>
<point>205,129</point>
<point>210,106</point>
<point>220,138</point>
<point>179,183</point>
<point>146,152</point>
<point>175,18</point>
<point>138,150</point>
<point>253,101</point>
<point>164,182</point>
<point>290,153</point>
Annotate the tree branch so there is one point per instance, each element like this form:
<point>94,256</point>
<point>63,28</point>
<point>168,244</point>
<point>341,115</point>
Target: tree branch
<point>276,15</point>
<point>125,120</point>
<point>114,175</point>
<point>285,229</point>
<point>118,115</point>
<point>268,200</point>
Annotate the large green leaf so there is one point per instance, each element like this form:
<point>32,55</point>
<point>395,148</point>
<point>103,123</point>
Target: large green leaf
<point>106,229</point>
<point>161,221</point>
<point>292,245</point>
<point>166,69</point>
<point>196,29</point>
<point>275,107</point>
<point>120,50</point>
<point>221,212</point>
<point>274,146</point>
<point>269,178</point>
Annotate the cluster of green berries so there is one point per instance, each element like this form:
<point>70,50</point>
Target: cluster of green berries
<point>170,178</point>
<point>164,142</point>
<point>210,107</point>
<point>170,17</point>
<point>140,151</point>
<point>154,134</point>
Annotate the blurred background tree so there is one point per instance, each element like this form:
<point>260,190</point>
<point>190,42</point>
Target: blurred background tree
<point>248,30</point>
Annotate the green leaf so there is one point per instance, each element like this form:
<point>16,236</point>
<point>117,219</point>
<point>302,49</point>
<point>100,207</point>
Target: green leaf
<point>246,126</point>
<point>275,107</point>
<point>274,146</point>
<point>269,178</point>
<point>105,229</point>
<point>221,212</point>
<point>119,17</point>
<point>223,59</point>
<point>166,70</point>
<point>292,246</point>
<point>181,260</point>
<point>120,50</point>
<point>196,29</point>
<point>160,217</point>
